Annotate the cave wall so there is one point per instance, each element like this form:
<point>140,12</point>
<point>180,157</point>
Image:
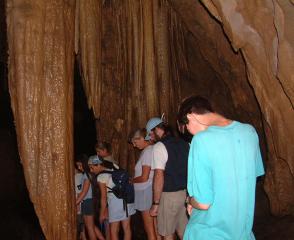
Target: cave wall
<point>215,70</point>
<point>261,32</point>
<point>41,46</point>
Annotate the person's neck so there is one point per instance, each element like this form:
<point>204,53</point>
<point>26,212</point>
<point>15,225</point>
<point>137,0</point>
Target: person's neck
<point>146,144</point>
<point>215,119</point>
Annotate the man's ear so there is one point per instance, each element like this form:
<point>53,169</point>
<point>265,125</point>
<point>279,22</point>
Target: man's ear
<point>190,116</point>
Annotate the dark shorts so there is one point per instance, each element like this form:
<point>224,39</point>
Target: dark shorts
<point>87,207</point>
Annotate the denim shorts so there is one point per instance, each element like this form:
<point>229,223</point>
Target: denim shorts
<point>87,207</point>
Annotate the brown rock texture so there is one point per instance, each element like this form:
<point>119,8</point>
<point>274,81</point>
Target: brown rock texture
<point>262,32</point>
<point>140,62</point>
<point>88,46</point>
<point>41,46</point>
<point>137,60</point>
<point>214,69</point>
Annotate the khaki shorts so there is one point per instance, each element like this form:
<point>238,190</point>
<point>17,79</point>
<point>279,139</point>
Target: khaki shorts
<point>172,215</point>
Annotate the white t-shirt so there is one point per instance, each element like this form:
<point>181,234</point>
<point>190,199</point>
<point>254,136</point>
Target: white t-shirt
<point>78,182</point>
<point>145,159</point>
<point>106,178</point>
<point>160,156</point>
<point>78,186</point>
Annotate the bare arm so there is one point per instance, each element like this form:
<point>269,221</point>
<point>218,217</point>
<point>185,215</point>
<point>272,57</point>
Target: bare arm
<point>82,194</point>
<point>157,190</point>
<point>158,184</point>
<point>103,202</point>
<point>198,205</point>
<point>145,175</point>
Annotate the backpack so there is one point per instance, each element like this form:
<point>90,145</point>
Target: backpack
<point>122,188</point>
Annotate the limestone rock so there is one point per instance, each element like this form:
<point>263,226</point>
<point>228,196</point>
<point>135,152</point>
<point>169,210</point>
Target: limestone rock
<point>41,46</point>
<point>262,32</point>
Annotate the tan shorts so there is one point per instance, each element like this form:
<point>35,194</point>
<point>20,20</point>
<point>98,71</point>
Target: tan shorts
<point>172,215</point>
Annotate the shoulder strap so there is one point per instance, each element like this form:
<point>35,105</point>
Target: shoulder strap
<point>105,171</point>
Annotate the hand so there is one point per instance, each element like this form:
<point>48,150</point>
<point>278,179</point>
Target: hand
<point>103,216</point>
<point>153,210</point>
<point>189,208</point>
<point>78,208</point>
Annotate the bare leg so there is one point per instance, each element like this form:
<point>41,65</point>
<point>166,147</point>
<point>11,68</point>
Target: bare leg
<point>83,234</point>
<point>107,231</point>
<point>89,224</point>
<point>126,224</point>
<point>114,230</point>
<point>158,237</point>
<point>98,233</point>
<point>180,235</point>
<point>170,237</point>
<point>148,225</point>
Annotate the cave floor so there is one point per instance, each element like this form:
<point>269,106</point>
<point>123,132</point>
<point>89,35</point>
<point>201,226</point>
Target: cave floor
<point>265,227</point>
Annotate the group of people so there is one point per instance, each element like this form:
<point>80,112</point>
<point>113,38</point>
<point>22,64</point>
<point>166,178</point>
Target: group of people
<point>199,190</point>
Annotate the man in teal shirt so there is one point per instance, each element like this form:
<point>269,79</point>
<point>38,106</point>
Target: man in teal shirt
<point>224,161</point>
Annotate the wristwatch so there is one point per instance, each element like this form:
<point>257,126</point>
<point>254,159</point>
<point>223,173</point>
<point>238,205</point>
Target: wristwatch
<point>155,203</point>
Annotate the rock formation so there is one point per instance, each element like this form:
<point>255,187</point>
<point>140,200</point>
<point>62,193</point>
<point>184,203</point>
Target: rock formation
<point>262,31</point>
<point>138,59</point>
<point>41,46</point>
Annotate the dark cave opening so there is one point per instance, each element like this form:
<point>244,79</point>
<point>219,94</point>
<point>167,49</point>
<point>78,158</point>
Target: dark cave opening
<point>84,120</point>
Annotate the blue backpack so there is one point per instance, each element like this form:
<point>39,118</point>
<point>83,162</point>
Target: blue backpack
<point>122,189</point>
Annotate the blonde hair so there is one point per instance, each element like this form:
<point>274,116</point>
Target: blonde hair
<point>104,145</point>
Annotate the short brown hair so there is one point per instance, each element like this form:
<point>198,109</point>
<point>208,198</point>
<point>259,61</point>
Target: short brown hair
<point>195,104</point>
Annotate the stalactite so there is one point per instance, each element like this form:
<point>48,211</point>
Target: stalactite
<point>150,83</point>
<point>179,64</point>
<point>89,39</point>
<point>40,36</point>
<point>139,80</point>
<point>163,55</point>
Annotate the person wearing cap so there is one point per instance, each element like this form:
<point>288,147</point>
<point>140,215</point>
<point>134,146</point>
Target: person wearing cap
<point>78,188</point>
<point>224,162</point>
<point>143,179</point>
<point>85,198</point>
<point>104,150</point>
<point>170,156</point>
<point>112,208</point>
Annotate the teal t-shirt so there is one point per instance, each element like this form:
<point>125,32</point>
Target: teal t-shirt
<point>222,169</point>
